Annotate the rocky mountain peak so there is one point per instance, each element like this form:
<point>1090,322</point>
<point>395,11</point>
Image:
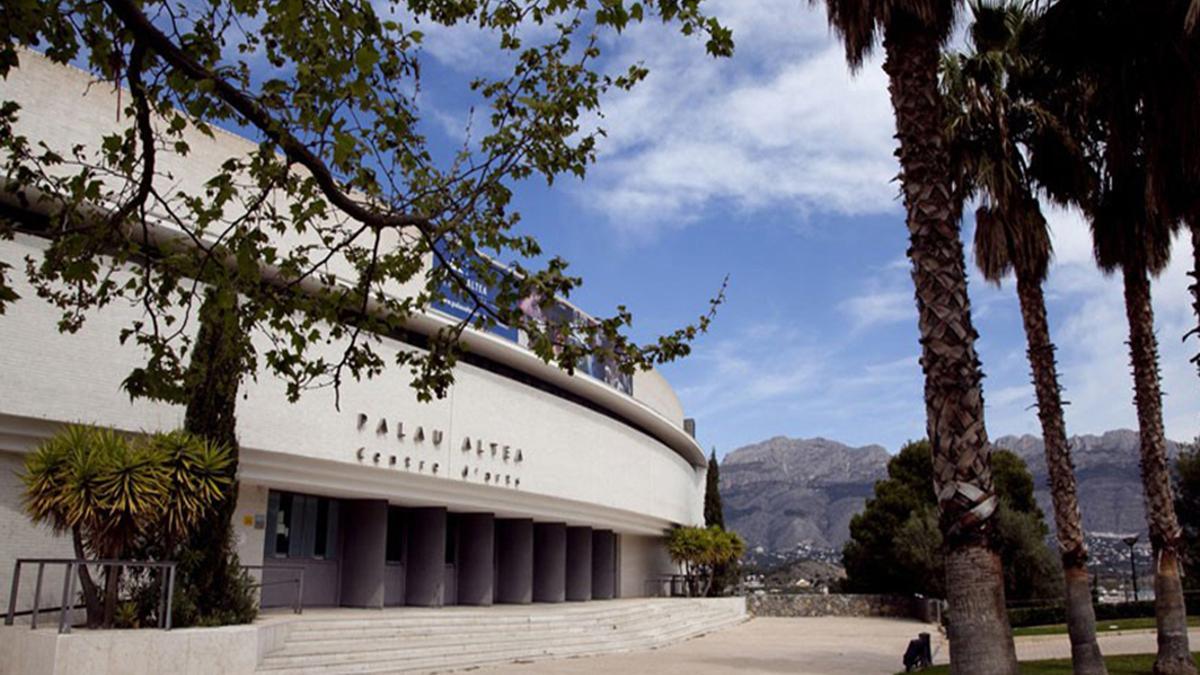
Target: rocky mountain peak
<point>783,492</point>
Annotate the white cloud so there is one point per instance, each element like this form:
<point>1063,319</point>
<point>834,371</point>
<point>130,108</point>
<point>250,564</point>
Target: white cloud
<point>781,124</point>
<point>879,307</point>
<point>764,362</point>
<point>887,298</point>
<point>777,374</point>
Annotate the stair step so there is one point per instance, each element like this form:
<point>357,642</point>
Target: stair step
<point>463,642</point>
<point>495,615</point>
<point>427,631</point>
<point>439,665</point>
<point>443,640</point>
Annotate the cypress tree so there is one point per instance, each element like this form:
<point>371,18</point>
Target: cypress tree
<point>713,514</point>
<point>214,590</point>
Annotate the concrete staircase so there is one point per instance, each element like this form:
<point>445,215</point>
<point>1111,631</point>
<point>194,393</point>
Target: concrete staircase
<point>453,638</point>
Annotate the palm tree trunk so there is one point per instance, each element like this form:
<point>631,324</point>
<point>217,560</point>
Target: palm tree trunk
<point>1165,534</point>
<point>1081,615</point>
<point>980,637</point>
<point>1194,225</point>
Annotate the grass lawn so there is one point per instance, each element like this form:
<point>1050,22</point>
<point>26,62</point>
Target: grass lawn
<point>1101,626</point>
<point>1140,664</point>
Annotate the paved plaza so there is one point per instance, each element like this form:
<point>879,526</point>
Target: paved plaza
<point>810,646</point>
<point>805,646</point>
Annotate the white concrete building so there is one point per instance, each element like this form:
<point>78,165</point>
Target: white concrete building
<point>523,484</point>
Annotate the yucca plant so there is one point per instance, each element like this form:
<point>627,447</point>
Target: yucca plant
<point>61,464</point>
<point>196,478</point>
<point>700,550</point>
<point>113,493</point>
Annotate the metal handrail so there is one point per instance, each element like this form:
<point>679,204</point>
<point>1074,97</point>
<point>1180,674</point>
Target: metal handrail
<point>298,604</point>
<point>166,587</point>
<point>677,584</point>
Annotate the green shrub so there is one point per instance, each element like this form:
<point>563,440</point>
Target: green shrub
<point>1050,614</point>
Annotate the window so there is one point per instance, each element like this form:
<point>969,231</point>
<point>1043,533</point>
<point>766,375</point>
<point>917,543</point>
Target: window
<point>301,526</point>
<point>282,521</point>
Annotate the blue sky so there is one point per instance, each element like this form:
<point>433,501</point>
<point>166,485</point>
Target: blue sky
<point>776,167</point>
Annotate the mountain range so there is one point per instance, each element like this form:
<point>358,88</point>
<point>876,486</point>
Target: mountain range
<point>784,492</point>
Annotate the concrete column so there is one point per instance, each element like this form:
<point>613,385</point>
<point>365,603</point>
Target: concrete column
<point>579,563</point>
<point>549,562</point>
<point>476,541</point>
<point>604,564</point>
<point>425,571</point>
<point>514,560</point>
<point>364,522</point>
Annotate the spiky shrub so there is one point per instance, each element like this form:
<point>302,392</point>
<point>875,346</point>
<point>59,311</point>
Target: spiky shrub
<point>701,551</point>
<point>120,497</point>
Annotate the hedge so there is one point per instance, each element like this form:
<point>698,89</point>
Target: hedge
<point>1040,616</point>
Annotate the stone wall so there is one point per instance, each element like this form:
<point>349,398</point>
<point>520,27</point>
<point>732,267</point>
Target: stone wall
<point>814,604</point>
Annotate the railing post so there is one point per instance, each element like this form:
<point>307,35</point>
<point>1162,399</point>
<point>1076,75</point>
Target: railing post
<point>12,598</point>
<point>162,597</point>
<point>64,623</point>
<point>170,593</point>
<point>37,596</point>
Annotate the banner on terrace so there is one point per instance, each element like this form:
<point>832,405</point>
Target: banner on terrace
<point>558,317</point>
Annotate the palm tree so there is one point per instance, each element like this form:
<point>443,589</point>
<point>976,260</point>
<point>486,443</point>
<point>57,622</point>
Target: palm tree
<point>913,32</point>
<point>1126,53</point>
<point>1140,249</point>
<point>988,120</point>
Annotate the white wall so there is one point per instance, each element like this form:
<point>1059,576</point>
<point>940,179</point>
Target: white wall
<point>651,388</point>
<point>248,539</point>
<point>26,540</point>
<point>642,558</point>
<point>569,452</point>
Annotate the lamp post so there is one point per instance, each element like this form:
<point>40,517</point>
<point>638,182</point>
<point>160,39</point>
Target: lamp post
<point>1130,541</point>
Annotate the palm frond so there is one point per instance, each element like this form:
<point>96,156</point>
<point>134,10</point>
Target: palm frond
<point>990,125</point>
<point>861,23</point>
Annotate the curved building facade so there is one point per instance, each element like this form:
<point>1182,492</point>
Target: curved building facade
<point>523,484</point>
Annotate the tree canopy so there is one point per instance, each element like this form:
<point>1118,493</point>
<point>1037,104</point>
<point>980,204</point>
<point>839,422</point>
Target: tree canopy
<point>896,546</point>
<point>343,199</point>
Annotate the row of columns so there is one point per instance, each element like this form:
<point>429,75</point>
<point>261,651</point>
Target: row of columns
<point>539,562</point>
<point>498,560</point>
